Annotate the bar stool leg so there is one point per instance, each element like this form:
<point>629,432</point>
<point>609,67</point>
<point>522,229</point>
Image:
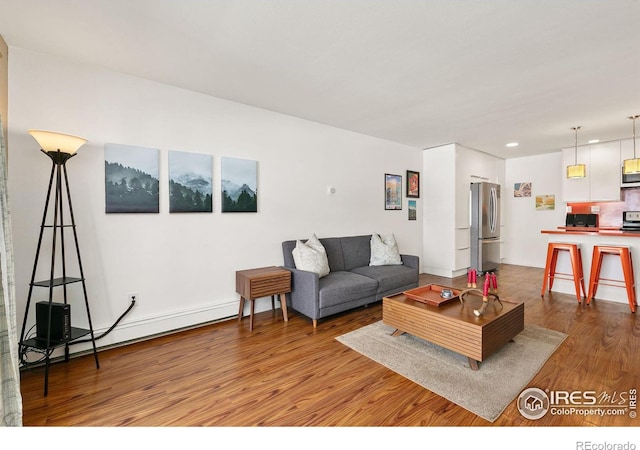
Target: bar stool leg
<point>596,263</point>
<point>548,270</point>
<point>627,269</point>
<point>578,280</point>
<point>584,290</point>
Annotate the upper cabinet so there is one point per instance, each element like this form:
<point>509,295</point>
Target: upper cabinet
<point>605,171</point>
<point>602,182</point>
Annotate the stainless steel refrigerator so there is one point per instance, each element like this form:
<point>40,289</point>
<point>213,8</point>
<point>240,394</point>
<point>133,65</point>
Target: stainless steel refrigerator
<point>485,226</point>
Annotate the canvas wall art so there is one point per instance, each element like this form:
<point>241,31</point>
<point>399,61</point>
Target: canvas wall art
<point>239,185</point>
<point>131,178</point>
<point>190,182</point>
<point>522,189</point>
<point>545,202</point>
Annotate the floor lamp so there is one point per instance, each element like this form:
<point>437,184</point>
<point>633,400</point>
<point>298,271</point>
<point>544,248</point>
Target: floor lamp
<point>53,320</point>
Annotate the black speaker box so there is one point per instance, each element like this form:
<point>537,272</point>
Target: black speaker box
<point>60,321</point>
<point>592,220</point>
<point>581,220</point>
<point>570,220</point>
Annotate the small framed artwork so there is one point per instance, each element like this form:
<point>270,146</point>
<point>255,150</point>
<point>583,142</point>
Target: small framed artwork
<point>544,202</point>
<point>413,184</point>
<point>413,213</point>
<point>392,191</point>
<point>522,189</point>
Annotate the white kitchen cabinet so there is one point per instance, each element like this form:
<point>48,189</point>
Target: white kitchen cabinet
<point>626,149</point>
<point>605,171</point>
<point>602,181</point>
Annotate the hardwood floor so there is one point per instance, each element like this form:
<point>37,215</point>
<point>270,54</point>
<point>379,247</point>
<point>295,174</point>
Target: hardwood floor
<point>289,374</point>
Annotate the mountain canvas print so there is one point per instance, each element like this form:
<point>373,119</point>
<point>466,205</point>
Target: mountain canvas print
<point>131,179</point>
<point>239,180</point>
<point>190,182</point>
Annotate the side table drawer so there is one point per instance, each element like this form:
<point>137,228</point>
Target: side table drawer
<point>273,284</point>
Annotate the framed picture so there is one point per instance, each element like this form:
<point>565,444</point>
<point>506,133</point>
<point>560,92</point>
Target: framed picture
<point>413,213</point>
<point>392,191</point>
<point>544,202</point>
<point>522,189</point>
<point>413,184</point>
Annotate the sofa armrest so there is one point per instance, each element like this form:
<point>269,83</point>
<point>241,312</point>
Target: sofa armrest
<point>411,261</point>
<point>304,296</point>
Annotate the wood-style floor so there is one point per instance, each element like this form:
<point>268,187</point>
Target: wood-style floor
<point>288,374</point>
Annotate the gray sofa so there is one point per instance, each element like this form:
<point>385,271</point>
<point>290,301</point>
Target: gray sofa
<point>350,283</point>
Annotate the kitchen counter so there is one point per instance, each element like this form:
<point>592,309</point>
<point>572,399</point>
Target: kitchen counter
<point>611,268</point>
<point>590,231</point>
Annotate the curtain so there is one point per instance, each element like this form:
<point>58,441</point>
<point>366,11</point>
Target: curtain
<point>10,398</point>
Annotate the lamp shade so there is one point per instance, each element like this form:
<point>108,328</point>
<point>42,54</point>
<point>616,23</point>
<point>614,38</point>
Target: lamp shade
<point>52,141</point>
<point>631,166</point>
<point>576,171</point>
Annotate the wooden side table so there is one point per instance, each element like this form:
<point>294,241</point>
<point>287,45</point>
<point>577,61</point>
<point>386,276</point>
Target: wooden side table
<point>263,282</point>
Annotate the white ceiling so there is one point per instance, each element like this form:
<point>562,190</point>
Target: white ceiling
<point>417,72</point>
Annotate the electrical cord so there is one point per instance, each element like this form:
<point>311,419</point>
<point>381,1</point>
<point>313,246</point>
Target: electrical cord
<point>133,302</point>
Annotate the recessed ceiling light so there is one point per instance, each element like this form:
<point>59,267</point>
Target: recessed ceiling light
<point>594,141</point>
<point>512,144</point>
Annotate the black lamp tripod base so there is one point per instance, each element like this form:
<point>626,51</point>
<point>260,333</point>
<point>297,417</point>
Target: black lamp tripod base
<point>44,342</point>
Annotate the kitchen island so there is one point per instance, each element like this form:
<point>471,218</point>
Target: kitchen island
<point>611,266</point>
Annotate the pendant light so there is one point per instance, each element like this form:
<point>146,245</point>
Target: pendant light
<point>632,165</point>
<point>577,170</point>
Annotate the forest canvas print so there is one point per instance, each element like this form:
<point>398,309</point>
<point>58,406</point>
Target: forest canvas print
<point>131,178</point>
<point>190,182</point>
<point>239,181</point>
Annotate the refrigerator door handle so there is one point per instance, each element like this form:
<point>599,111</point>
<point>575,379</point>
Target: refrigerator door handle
<point>493,210</point>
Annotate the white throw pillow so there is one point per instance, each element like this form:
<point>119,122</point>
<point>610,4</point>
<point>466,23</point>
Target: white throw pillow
<point>384,251</point>
<point>311,256</point>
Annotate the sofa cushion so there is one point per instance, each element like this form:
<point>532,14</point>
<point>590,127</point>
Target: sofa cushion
<point>311,256</point>
<point>356,251</point>
<point>384,250</point>
<point>334,253</point>
<point>337,287</point>
<point>389,277</point>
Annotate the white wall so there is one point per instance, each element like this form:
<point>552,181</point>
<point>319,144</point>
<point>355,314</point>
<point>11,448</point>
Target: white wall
<point>183,265</point>
<point>525,245</point>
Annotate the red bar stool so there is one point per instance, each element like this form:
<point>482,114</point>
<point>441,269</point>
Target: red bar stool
<point>599,251</point>
<point>576,265</point>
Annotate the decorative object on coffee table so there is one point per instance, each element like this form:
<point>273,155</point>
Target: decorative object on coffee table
<point>433,294</point>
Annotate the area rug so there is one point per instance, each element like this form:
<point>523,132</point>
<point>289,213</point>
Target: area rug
<point>485,392</point>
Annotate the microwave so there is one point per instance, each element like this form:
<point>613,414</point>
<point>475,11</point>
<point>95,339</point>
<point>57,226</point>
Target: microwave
<point>631,179</point>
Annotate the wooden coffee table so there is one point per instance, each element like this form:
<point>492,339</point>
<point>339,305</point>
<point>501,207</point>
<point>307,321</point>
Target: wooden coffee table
<point>454,326</point>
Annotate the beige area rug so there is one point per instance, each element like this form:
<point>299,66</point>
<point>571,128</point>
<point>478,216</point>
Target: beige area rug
<point>485,392</point>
